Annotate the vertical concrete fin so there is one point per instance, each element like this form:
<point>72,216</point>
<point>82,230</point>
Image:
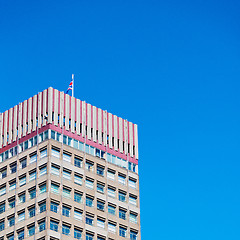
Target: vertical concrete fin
<point>78,109</point>
<point>24,123</point>
<point>110,127</point>
<point>29,117</point>
<point>56,102</point>
<point>15,112</point>
<point>67,111</point>
<point>44,107</point>
<point>34,117</point>
<point>130,132</point>
<point>50,105</point>
<point>73,110</point>
<point>120,134</point>
<point>115,133</point>
<point>94,124</point>
<point>136,140</point>
<point>99,125</point>
<point>89,121</point>
<point>10,119</point>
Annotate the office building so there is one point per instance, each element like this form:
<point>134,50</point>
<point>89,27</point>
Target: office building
<point>68,170</point>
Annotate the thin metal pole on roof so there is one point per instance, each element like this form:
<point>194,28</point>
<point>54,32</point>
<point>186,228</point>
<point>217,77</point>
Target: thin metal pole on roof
<point>72,85</point>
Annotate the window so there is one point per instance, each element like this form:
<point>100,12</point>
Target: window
<point>122,214</point>
<point>77,197</point>
<point>100,188</point>
<point>55,170</point>
<point>133,217</point>
<point>77,215</point>
<point>122,232</point>
<point>132,183</point>
<point>43,153</point>
<point>21,235</point>
<point>111,209</point>
<point>55,153</point>
<point>13,168</point>
<point>133,200</point>
<point>100,223</point>
<point>89,220</point>
<point>111,175</point>
<point>111,192</point>
<point>22,181</point>
<point>89,183</point>
<point>33,158</point>
<point>89,166</point>
<point>66,192</point>
<point>32,176</point>
<point>11,221</point>
<point>32,193</point>
<point>77,234</point>
<point>2,225</point>
<point>42,226</point>
<point>10,237</point>
<point>122,197</point>
<point>42,188</point>
<point>66,174</point>
<point>111,227</point>
<point>21,216</point>
<point>3,190</point>
<point>12,203</point>
<point>66,211</point>
<point>31,212</point>
<point>2,208</point>
<point>12,185</point>
<point>133,235</point>
<point>89,202</point>
<point>43,170</point>
<point>42,207</point>
<point>31,230</point>
<point>77,179</point>
<point>54,188</point>
<point>89,236</point>
<point>100,205</point>
<point>66,157</point>
<point>22,198</point>
<point>54,207</point>
<point>3,173</point>
<point>54,225</point>
<point>100,170</point>
<point>77,162</point>
<point>101,238</point>
<point>23,163</point>
<point>65,230</point>
<point>122,179</point>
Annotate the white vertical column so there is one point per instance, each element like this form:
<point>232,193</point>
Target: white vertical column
<point>78,109</point>
<point>131,138</point>
<point>136,140</point>
<point>40,110</point>
<point>94,124</point>
<point>120,134</point>
<point>34,117</point>
<point>44,107</point>
<point>105,128</point>
<point>1,129</point>
<point>110,127</point>
<point>15,116</point>
<point>24,118</point>
<point>83,118</point>
<point>5,128</point>
<point>29,117</point>
<point>67,111</point>
<point>73,111</point>
<point>50,104</point>
<point>89,119</point>
<point>20,120</point>
<point>125,137</point>
<point>115,132</point>
<point>61,102</point>
<point>100,125</point>
<point>10,118</point>
<point>56,102</point>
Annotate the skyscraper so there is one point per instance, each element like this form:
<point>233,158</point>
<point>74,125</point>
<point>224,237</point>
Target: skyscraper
<point>68,170</point>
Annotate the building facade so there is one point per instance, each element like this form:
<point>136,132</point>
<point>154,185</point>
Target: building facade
<point>68,170</point>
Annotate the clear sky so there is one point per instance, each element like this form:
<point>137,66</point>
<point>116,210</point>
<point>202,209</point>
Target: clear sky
<point>172,67</point>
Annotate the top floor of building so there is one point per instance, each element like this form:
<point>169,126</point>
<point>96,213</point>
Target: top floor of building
<point>72,117</point>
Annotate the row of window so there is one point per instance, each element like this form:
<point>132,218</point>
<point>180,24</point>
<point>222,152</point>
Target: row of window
<point>68,141</point>
<point>66,230</point>
<point>77,213</point>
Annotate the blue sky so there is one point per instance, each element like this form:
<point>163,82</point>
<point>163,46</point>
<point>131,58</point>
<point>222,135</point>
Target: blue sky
<point>172,67</point>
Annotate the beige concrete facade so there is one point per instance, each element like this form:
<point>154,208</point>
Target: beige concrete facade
<point>69,193</point>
